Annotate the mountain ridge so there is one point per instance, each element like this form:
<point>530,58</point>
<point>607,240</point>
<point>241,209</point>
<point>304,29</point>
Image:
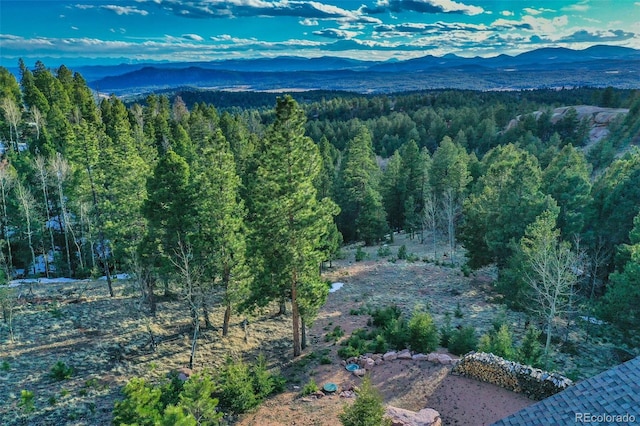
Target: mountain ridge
<point>542,68</point>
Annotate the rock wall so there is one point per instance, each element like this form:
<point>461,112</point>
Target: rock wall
<point>533,382</point>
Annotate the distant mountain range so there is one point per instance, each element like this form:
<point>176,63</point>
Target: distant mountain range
<point>543,68</point>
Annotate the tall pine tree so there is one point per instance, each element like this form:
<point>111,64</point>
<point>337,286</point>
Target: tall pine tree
<point>289,221</point>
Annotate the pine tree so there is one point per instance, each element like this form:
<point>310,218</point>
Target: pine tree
<point>289,221</point>
<point>220,236</point>
<point>367,409</point>
<point>507,199</point>
<point>359,196</point>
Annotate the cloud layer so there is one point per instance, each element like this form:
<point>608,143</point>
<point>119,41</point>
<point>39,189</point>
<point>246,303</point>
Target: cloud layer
<point>143,30</point>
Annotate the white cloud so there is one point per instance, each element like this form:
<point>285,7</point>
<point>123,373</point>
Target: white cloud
<point>336,33</point>
<point>537,11</point>
<point>193,37</point>
<point>583,6</point>
<point>308,22</point>
<point>124,10</point>
<point>74,28</point>
<point>506,13</point>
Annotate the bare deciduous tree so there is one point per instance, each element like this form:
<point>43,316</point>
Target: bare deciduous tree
<point>13,115</point>
<point>7,180</point>
<point>27,206</point>
<point>551,271</point>
<point>430,218</point>
<point>43,180</point>
<point>190,274</point>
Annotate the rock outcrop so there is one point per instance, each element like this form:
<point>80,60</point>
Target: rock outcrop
<point>424,417</point>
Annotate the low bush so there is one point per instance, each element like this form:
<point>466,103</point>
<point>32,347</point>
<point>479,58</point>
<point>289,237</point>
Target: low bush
<point>60,371</point>
<point>530,350</point>
<point>384,251</point>
<point>381,317</point>
<point>423,335</point>
<point>498,342</point>
<point>368,408</point>
<point>335,334</point>
<point>402,252</point>
<point>463,340</point>
<point>26,402</point>
<point>446,331</point>
<point>310,387</point>
<point>360,254</point>
<point>203,399</point>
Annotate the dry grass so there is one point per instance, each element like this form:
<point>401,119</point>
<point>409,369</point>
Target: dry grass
<point>106,341</point>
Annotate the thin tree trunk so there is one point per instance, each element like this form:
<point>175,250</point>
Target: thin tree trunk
<point>103,256</point>
<point>227,318</point>
<point>283,307</point>
<point>205,312</point>
<point>295,317</point>
<point>303,328</point>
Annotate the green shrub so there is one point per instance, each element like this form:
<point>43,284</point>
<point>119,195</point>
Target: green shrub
<point>396,333</point>
<point>458,312</point>
<point>262,380</point>
<point>499,343</point>
<point>463,340</point>
<point>402,252</point>
<point>384,251</point>
<point>423,335</point>
<point>325,360</point>
<point>378,345</point>
<point>171,389</point>
<point>235,390</point>
<point>530,350</point>
<point>197,402</point>
<point>26,402</point>
<point>466,270</point>
<point>5,366</point>
<point>412,257</point>
<point>60,371</point>
<point>334,335</point>
<point>310,387</point>
<point>349,351</point>
<point>141,405</point>
<point>446,331</point>
<point>177,416</point>
<point>381,317</point>
<point>360,254</point>
<point>367,409</point>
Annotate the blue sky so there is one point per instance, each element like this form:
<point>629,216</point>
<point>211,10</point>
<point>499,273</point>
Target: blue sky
<point>130,31</point>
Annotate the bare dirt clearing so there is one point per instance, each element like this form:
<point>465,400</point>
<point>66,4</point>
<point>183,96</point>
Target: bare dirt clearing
<point>106,340</point>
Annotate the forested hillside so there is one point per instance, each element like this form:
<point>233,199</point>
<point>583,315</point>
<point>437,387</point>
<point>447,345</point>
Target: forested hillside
<point>256,199</point>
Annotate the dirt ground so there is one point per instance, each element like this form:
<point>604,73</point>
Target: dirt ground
<point>106,341</point>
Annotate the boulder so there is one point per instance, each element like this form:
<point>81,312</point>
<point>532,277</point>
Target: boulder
<point>445,359</point>
<point>433,357</point>
<point>420,357</point>
<point>379,361</point>
<point>390,356</point>
<point>405,354</point>
<point>360,372</point>
<point>424,417</point>
<point>369,364</point>
<point>184,373</point>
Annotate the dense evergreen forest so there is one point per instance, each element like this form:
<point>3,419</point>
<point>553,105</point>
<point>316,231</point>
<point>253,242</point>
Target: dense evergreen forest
<point>250,200</point>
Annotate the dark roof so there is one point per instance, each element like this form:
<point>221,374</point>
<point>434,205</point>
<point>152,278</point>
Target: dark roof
<point>615,392</point>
